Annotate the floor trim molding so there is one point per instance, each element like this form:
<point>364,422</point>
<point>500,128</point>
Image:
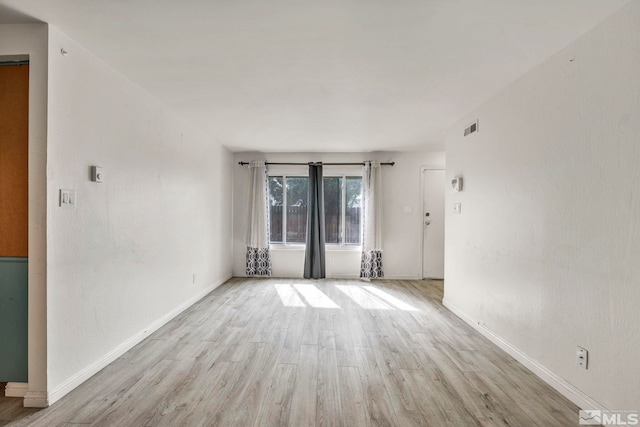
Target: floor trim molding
<point>16,389</point>
<point>36,399</point>
<point>559,384</point>
<point>86,373</point>
<point>343,276</point>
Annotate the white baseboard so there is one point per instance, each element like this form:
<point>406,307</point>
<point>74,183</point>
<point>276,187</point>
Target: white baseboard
<point>343,276</point>
<point>16,389</point>
<point>86,373</point>
<point>562,386</point>
<point>36,399</point>
<point>357,276</point>
<point>329,276</point>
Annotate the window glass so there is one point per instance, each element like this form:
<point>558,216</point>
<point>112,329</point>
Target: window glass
<point>297,195</point>
<point>275,208</point>
<point>288,198</point>
<point>333,209</point>
<point>353,208</point>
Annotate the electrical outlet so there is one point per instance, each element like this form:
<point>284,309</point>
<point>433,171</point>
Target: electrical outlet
<point>582,357</point>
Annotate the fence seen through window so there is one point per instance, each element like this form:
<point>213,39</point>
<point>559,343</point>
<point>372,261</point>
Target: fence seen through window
<point>288,198</point>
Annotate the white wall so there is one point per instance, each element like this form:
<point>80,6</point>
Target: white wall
<point>402,232</point>
<point>545,253</point>
<point>31,40</point>
<point>122,262</point>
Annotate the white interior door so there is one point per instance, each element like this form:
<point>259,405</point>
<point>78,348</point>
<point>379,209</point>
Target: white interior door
<point>433,187</point>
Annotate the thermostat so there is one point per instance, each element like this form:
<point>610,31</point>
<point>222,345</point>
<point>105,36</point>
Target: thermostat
<point>97,174</point>
<point>456,184</point>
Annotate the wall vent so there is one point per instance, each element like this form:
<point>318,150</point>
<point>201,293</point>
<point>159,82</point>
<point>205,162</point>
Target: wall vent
<point>472,128</point>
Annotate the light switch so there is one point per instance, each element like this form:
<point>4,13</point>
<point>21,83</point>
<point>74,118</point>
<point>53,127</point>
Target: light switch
<point>457,208</point>
<point>408,209</point>
<point>68,198</point>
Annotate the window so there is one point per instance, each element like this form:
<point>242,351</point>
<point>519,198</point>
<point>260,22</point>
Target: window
<point>353,208</point>
<point>342,201</point>
<point>288,209</point>
<point>275,208</point>
<point>333,210</point>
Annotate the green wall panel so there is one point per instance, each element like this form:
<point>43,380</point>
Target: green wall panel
<point>13,319</point>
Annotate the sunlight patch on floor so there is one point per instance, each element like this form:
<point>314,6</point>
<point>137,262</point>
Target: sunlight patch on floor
<point>315,297</point>
<point>390,299</point>
<point>289,296</point>
<point>363,298</point>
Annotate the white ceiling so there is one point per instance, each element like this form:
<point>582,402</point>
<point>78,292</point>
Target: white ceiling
<point>335,75</point>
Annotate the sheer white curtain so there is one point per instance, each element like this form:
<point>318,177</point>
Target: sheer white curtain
<point>371,264</point>
<point>258,256</point>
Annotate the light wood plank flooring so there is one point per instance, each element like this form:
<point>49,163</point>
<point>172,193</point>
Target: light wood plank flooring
<point>284,352</point>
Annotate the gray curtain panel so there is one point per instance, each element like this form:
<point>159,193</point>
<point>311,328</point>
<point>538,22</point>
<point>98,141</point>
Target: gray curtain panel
<point>314,253</point>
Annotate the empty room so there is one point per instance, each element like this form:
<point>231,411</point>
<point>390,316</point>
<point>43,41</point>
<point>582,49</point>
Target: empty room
<point>422,212</point>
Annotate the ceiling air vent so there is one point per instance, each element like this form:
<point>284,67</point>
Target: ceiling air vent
<point>472,128</point>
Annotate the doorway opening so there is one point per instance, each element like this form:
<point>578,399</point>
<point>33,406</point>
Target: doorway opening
<point>14,219</point>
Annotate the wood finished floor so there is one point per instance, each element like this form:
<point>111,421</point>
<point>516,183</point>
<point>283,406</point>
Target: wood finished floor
<point>283,352</point>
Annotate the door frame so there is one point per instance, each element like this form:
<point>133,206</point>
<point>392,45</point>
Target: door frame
<point>422,171</point>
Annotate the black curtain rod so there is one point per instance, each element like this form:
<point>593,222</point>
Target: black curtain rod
<point>319,163</point>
